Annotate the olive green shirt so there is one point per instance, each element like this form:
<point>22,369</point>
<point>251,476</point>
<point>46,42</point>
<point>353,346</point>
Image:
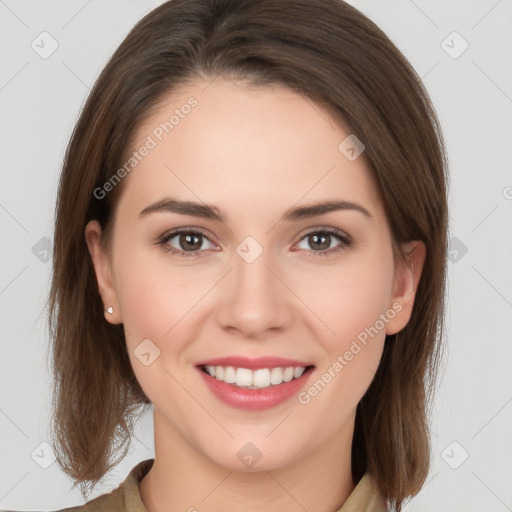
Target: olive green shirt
<point>126,498</point>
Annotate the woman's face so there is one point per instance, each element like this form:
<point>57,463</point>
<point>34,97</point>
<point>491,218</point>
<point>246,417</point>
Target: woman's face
<point>257,272</point>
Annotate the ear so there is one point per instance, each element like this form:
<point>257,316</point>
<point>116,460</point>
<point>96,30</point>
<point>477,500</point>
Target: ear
<point>103,270</point>
<point>405,283</point>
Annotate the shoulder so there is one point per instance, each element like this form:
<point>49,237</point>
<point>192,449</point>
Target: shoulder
<point>365,497</point>
<point>125,497</point>
<point>110,502</point>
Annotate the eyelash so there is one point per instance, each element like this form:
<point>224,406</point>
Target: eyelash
<point>345,240</point>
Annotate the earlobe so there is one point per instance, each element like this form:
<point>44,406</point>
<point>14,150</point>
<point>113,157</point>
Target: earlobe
<point>405,284</point>
<point>103,271</point>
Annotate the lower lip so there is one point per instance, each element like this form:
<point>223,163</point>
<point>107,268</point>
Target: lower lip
<point>255,399</point>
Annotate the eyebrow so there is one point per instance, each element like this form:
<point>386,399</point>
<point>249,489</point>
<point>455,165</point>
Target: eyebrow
<point>211,212</point>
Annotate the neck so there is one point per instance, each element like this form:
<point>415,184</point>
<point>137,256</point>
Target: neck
<point>182,478</point>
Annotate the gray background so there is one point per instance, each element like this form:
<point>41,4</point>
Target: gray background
<point>39,102</point>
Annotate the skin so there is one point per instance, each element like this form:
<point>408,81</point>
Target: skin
<point>254,153</point>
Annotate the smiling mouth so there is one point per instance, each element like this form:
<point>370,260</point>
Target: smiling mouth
<point>255,379</point>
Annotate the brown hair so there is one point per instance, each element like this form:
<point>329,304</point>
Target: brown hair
<point>330,53</point>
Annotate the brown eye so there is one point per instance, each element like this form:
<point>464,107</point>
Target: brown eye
<point>190,242</point>
<point>321,242</point>
<point>186,242</point>
<point>324,242</point>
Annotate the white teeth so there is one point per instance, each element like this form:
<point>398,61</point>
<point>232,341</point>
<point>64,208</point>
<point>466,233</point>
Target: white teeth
<point>255,379</point>
<point>288,374</point>
<point>261,378</point>
<point>243,377</point>
<point>276,376</point>
<point>229,375</point>
<point>298,371</point>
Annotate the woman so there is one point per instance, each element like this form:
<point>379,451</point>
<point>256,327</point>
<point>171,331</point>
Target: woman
<point>250,237</point>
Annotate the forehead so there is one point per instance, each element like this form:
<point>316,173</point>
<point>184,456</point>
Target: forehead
<point>244,147</point>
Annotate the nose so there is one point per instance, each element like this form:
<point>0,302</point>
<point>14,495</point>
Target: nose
<point>255,301</point>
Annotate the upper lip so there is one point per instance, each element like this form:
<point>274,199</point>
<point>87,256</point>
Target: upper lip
<point>253,364</point>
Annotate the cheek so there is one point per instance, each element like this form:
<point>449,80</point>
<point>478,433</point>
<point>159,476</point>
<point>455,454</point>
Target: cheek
<point>156,298</point>
<point>159,303</point>
<point>350,297</point>
<point>351,337</point>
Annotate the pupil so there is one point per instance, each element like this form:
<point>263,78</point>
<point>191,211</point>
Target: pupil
<point>187,242</point>
<point>315,239</point>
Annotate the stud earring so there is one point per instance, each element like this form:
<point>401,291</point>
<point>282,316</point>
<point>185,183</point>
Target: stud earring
<point>110,310</point>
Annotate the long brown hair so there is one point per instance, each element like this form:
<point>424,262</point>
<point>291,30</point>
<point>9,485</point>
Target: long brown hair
<point>332,54</point>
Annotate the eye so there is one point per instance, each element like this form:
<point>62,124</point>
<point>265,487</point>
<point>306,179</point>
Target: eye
<point>185,242</point>
<point>324,242</point>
